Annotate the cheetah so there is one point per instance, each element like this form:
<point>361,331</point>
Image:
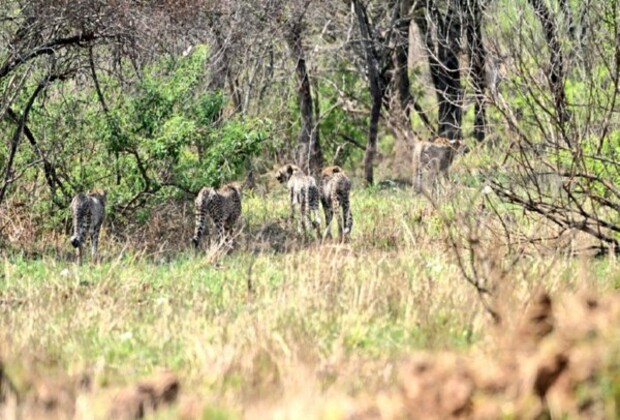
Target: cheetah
<point>434,158</point>
<point>303,192</point>
<point>222,206</point>
<point>88,212</point>
<point>335,191</point>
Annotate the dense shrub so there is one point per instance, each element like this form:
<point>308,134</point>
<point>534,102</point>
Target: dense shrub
<point>160,137</point>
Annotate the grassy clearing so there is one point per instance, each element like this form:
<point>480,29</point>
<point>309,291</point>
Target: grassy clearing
<point>277,318</point>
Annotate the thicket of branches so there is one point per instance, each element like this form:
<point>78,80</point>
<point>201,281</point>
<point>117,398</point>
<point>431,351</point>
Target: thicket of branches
<point>160,97</point>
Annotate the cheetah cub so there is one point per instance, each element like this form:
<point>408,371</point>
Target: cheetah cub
<point>304,193</point>
<point>88,212</point>
<point>222,206</point>
<point>335,191</point>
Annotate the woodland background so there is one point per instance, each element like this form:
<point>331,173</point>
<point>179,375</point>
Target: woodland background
<point>497,298</point>
<point>152,100</point>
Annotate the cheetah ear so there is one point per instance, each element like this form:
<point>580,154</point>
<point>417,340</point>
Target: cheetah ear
<point>336,169</point>
<point>289,169</point>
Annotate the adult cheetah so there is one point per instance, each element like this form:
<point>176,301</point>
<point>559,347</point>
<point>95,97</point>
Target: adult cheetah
<point>88,212</point>
<point>434,159</point>
<point>335,191</point>
<point>303,193</point>
<point>222,206</point>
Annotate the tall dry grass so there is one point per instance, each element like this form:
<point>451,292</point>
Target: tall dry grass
<point>279,325</point>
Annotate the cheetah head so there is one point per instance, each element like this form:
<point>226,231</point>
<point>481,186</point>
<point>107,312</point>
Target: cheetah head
<point>458,145</point>
<point>329,171</point>
<point>284,173</point>
<point>100,194</point>
<point>233,186</point>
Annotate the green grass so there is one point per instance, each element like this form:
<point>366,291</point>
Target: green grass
<point>249,326</point>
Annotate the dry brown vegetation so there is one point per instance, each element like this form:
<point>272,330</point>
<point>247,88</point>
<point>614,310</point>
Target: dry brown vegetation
<point>431,311</point>
<point>496,298</point>
<point>551,362</point>
<point>550,365</point>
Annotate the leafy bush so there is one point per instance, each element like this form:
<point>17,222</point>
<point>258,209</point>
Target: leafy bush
<point>174,129</point>
<point>162,130</point>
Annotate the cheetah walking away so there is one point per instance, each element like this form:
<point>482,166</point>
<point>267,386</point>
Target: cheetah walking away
<point>434,159</point>
<point>88,213</point>
<point>335,191</point>
<point>303,192</point>
<point>222,206</point>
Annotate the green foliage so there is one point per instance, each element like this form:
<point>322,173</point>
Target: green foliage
<point>162,130</point>
<point>598,159</point>
<point>174,127</point>
<point>338,127</point>
<point>227,149</point>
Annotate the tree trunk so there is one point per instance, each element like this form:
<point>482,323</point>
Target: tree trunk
<point>556,78</point>
<point>477,58</point>
<point>17,136</point>
<point>105,108</point>
<point>48,169</point>
<point>444,66</point>
<point>376,87</point>
<point>310,156</point>
<point>400,79</point>
<point>221,69</point>
<point>371,146</point>
<point>401,58</point>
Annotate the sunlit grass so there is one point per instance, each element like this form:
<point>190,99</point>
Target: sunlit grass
<point>240,328</point>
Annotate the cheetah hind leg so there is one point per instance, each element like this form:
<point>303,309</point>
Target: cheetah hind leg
<point>94,252</point>
<point>316,223</point>
<point>340,225</point>
<point>417,180</point>
<point>94,239</point>
<point>291,217</point>
<point>329,215</point>
<point>220,234</point>
<point>79,253</point>
<point>443,182</point>
<point>435,178</point>
<point>229,232</point>
<point>348,221</point>
<point>303,210</point>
